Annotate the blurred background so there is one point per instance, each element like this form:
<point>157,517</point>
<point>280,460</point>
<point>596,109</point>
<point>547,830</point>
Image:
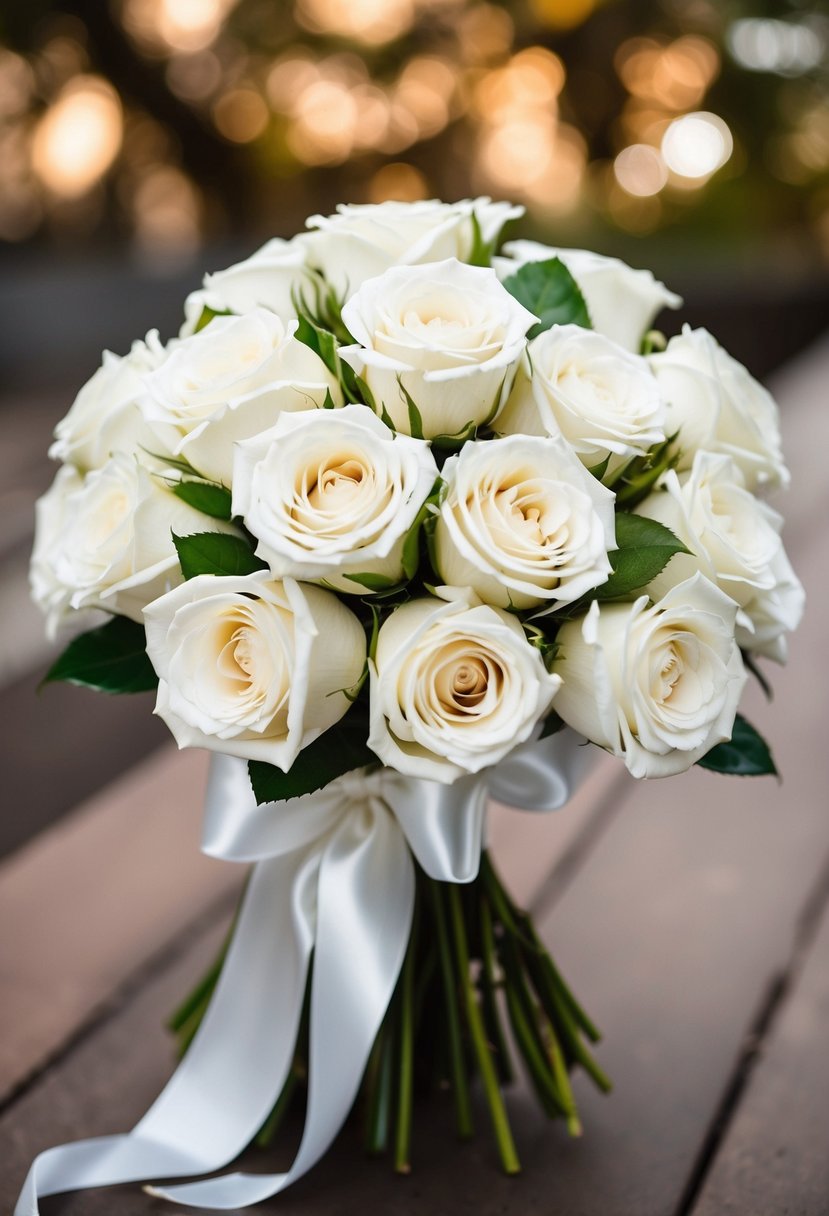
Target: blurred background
<point>145,141</point>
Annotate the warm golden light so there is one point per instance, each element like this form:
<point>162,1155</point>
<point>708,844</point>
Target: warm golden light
<point>484,33</point>
<point>640,170</point>
<point>166,210</point>
<point>562,14</point>
<point>186,26</point>
<point>241,115</point>
<point>371,21</point>
<point>696,145</point>
<point>326,117</point>
<point>399,181</point>
<point>78,138</point>
<point>676,74</point>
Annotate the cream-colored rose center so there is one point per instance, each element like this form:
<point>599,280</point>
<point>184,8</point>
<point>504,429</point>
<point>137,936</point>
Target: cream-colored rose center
<point>465,683</point>
<point>336,486</point>
<point>108,516</point>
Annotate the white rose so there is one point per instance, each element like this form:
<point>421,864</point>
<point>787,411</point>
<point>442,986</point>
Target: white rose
<point>601,398</point>
<point>734,540</point>
<point>446,333</point>
<point>523,523</point>
<point>105,417</point>
<point>104,541</point>
<point>363,239</point>
<point>455,685</point>
<point>328,493</point>
<point>252,667</point>
<point>717,406</point>
<point>269,278</point>
<point>622,302</point>
<point>657,685</point>
<point>229,382</point>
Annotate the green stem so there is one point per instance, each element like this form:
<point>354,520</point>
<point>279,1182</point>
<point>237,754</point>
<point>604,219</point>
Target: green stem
<point>403,1136</point>
<point>498,1113</point>
<point>271,1126</point>
<point>457,1063</point>
<point>377,1131</point>
<point>488,985</point>
<point>199,997</point>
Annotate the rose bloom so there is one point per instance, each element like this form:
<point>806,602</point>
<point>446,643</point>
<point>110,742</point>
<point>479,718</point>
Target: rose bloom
<point>455,685</point>
<point>655,684</point>
<point>251,666</point>
<point>229,382</point>
<point>623,303</point>
<point>446,333</point>
<point>329,493</point>
<point>105,541</point>
<point>105,417</point>
<point>717,406</point>
<point>270,278</point>
<point>734,540</point>
<point>364,239</point>
<point>523,523</point>
<point>577,383</point>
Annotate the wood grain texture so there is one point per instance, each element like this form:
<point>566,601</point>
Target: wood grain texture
<point>88,903</point>
<point>775,1156</point>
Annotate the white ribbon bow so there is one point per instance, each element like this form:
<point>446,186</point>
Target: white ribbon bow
<point>333,874</point>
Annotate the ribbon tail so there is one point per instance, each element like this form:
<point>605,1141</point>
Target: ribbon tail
<point>365,905</point>
<point>235,1069</point>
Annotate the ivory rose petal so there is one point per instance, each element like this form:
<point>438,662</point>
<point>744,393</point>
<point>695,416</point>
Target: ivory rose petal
<point>604,400</point>
<point>655,684</point>
<point>622,302</point>
<point>364,239</point>
<point>229,382</point>
<point>332,493</point>
<point>523,523</point>
<point>105,416</point>
<point>441,341</point>
<point>455,685</point>
<point>717,406</point>
<point>105,541</point>
<point>733,538</point>
<point>252,666</point>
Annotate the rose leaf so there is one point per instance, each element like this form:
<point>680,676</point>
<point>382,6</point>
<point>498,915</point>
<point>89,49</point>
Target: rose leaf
<point>746,754</point>
<point>551,293</point>
<point>112,658</point>
<point>216,553</point>
<point>340,749</point>
<point>645,548</point>
<point>205,496</point>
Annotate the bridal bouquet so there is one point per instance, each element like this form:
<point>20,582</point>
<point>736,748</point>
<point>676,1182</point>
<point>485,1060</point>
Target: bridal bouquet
<point>394,526</point>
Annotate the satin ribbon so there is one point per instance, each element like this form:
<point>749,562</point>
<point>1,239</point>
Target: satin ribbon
<point>333,875</point>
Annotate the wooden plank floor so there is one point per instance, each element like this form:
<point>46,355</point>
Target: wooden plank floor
<point>689,914</point>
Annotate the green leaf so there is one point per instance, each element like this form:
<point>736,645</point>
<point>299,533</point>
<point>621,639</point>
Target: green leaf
<point>552,725</point>
<point>372,582</point>
<point>598,470</point>
<point>645,548</point>
<point>342,748</point>
<point>746,754</point>
<point>415,420</point>
<point>111,658</point>
<point>549,291</point>
<point>321,341</point>
<point>204,496</point>
<point>411,545</point>
<point>208,314</point>
<point>215,553</point>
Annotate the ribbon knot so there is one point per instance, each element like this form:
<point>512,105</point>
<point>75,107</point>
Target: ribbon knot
<point>334,875</point>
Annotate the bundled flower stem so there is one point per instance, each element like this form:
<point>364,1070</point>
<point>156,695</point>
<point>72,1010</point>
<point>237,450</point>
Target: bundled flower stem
<point>477,987</point>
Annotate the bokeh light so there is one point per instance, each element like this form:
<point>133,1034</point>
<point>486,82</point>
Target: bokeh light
<point>696,145</point>
<point>78,137</point>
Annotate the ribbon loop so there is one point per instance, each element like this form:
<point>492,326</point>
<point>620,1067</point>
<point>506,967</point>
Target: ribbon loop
<point>333,874</point>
